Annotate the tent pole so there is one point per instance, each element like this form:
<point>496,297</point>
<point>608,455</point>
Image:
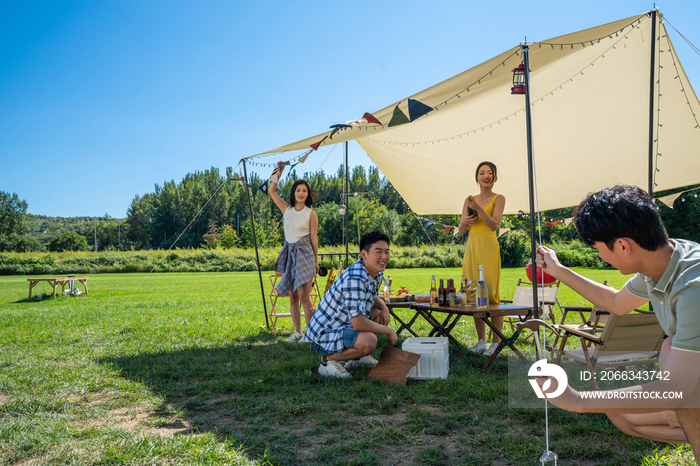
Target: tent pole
<point>652,86</point>
<point>255,242</point>
<point>347,211</point>
<point>531,180</point>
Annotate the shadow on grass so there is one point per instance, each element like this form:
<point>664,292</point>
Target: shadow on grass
<point>266,396</point>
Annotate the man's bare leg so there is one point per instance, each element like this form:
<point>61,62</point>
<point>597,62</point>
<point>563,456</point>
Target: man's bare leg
<point>365,344</point>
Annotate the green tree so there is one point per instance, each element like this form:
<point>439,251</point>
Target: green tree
<point>228,237</point>
<point>212,236</point>
<point>13,226</point>
<point>12,214</point>
<point>70,241</point>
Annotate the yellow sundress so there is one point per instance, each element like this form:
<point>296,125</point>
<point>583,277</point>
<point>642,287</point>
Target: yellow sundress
<point>482,249</point>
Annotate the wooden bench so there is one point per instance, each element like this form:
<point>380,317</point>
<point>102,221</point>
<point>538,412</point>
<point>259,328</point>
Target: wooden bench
<point>54,282</point>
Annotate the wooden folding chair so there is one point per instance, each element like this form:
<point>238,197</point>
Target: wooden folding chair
<point>625,340</point>
<point>582,311</point>
<point>274,297</point>
<point>547,299</point>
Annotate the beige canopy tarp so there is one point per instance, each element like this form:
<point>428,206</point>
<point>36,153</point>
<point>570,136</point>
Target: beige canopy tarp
<point>590,104</point>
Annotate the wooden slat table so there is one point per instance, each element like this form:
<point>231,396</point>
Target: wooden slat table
<point>443,320</point>
<point>54,282</point>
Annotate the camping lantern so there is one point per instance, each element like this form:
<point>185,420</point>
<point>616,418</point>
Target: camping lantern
<point>341,208</point>
<point>518,80</point>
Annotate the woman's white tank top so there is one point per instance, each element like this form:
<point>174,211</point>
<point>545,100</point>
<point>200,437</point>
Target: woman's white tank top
<point>296,224</point>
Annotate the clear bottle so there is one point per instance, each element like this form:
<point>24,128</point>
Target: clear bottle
<point>451,293</point>
<point>433,292</point>
<point>387,287</point>
<point>461,295</point>
<point>482,293</point>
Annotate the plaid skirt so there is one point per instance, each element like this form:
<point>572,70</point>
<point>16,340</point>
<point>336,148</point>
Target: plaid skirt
<point>297,264</point>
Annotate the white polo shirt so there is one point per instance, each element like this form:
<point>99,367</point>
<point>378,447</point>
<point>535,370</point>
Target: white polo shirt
<point>676,296</point>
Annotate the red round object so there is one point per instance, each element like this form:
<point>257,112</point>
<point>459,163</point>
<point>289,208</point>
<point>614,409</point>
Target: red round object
<point>543,278</point>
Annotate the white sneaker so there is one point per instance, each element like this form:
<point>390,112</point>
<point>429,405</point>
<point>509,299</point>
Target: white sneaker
<point>480,347</point>
<point>489,351</point>
<point>364,361</point>
<point>333,369</point>
<point>295,337</point>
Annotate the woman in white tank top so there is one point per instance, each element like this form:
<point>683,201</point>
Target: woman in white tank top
<point>298,260</point>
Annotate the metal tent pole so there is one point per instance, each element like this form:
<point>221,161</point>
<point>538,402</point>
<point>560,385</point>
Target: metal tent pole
<point>652,86</point>
<point>531,179</point>
<point>347,211</point>
<point>255,242</point>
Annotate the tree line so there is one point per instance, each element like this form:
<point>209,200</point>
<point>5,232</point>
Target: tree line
<point>207,209</point>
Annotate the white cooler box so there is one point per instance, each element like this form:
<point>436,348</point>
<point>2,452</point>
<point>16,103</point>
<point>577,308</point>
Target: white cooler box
<point>434,362</point>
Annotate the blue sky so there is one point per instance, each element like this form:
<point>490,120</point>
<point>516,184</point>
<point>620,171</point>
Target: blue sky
<point>101,100</point>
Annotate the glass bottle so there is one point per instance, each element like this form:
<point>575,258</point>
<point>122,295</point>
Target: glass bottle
<point>451,292</point>
<point>433,292</point>
<point>461,295</point>
<point>482,293</point>
<point>442,294</point>
<point>387,287</point>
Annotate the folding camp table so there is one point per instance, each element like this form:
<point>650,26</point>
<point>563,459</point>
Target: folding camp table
<point>443,319</point>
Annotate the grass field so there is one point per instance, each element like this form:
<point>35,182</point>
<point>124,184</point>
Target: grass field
<point>179,368</point>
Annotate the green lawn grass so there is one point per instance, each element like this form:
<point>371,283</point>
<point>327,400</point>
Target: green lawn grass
<point>180,368</point>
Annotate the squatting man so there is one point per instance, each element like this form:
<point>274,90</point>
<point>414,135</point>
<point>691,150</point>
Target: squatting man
<point>624,225</point>
<point>351,315</point>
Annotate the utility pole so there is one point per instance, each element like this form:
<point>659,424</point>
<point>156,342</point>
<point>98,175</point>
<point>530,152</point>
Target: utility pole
<point>95,234</point>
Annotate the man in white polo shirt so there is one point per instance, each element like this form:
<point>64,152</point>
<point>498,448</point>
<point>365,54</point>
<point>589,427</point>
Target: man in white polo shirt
<point>624,225</point>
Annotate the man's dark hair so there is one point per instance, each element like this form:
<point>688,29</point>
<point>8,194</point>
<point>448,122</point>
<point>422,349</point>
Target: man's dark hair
<point>368,239</point>
<point>622,211</point>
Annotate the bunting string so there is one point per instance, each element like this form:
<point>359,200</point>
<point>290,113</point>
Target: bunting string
<point>521,111</point>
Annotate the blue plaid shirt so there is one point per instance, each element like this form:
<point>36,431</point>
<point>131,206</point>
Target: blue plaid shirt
<point>352,294</point>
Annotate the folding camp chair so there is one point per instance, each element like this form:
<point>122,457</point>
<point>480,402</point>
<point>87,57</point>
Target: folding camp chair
<point>274,297</point>
<point>625,340</point>
<point>582,311</point>
<point>547,298</point>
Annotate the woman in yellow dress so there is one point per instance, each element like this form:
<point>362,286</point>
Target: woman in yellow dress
<point>481,215</point>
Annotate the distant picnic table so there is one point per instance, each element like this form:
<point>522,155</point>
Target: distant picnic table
<point>54,282</point>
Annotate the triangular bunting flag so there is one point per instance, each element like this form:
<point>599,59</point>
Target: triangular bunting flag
<point>430,222</point>
<point>455,232</point>
<point>448,228</point>
<point>399,118</point>
<point>335,130</point>
<point>263,187</point>
<point>315,145</point>
<point>292,166</point>
<point>241,180</point>
<point>275,177</point>
<point>568,220</point>
<point>371,119</point>
<point>551,224</point>
<point>358,122</point>
<point>668,200</point>
<point>502,230</point>
<point>417,109</point>
<point>302,159</point>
